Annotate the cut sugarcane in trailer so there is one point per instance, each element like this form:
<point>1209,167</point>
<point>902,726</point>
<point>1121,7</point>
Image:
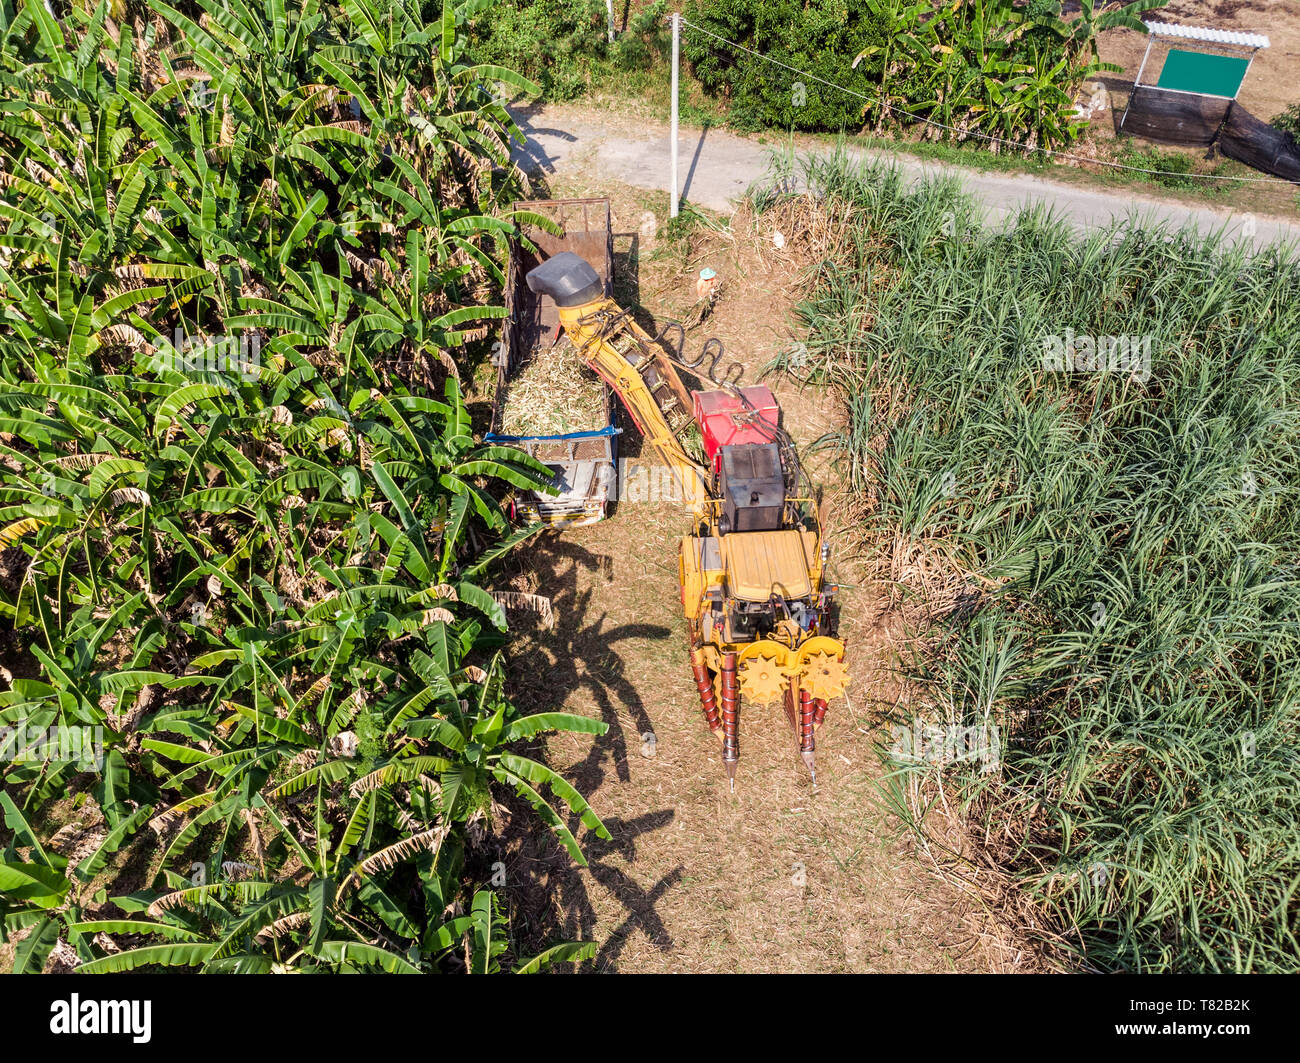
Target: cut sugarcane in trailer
<point>548,403</point>
<point>553,393</point>
<point>760,611</point>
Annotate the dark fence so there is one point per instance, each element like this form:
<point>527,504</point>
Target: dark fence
<point>1199,121</point>
<point>1258,144</point>
<point>1175,117</point>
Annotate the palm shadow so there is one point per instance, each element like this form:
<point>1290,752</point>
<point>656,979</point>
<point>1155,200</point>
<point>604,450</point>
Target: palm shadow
<point>578,913</point>
<point>578,653</point>
<point>530,155</point>
<point>581,652</point>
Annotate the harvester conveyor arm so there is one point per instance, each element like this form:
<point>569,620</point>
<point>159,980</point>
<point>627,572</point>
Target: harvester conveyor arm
<point>624,356</point>
<point>629,361</point>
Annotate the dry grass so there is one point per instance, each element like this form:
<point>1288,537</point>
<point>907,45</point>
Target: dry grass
<point>772,878</point>
<point>553,393</point>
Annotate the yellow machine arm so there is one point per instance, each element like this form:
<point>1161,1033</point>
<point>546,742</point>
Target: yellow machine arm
<point>631,363</point>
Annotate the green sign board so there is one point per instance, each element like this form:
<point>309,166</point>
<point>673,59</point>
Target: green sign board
<point>1210,75</point>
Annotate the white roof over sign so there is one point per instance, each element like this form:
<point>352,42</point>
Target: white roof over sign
<point>1209,36</point>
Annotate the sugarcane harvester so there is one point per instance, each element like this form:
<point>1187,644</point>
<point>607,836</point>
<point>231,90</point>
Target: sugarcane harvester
<point>758,605</point>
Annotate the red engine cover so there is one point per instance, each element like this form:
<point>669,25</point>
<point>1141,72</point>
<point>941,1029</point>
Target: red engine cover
<point>725,421</point>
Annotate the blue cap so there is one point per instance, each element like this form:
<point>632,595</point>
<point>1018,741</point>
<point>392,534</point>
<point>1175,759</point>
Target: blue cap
<point>707,274</point>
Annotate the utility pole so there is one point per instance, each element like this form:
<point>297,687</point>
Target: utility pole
<point>677,43</point>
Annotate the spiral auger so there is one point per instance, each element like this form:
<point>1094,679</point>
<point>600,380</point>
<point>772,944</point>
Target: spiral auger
<point>704,684</point>
<point>730,718</point>
<point>807,738</point>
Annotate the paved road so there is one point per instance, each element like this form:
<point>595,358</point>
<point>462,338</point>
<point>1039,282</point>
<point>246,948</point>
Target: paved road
<point>717,167</point>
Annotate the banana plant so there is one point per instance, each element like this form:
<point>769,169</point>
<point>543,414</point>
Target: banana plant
<point>1094,18</point>
<point>486,927</point>
<point>43,895</point>
<point>260,576</point>
<point>425,762</point>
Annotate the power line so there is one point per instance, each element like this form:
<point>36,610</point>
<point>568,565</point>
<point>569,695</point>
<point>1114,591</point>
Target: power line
<point>974,133</point>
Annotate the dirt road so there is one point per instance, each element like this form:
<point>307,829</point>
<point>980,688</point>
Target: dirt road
<point>717,167</point>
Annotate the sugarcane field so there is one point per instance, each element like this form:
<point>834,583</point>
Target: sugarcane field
<point>700,487</point>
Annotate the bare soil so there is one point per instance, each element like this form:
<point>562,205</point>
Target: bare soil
<point>1272,83</point>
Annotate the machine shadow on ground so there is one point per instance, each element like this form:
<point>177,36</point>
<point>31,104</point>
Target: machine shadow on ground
<point>585,656</point>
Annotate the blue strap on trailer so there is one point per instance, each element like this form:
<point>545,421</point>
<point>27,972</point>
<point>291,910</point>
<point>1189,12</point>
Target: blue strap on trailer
<point>608,430</point>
